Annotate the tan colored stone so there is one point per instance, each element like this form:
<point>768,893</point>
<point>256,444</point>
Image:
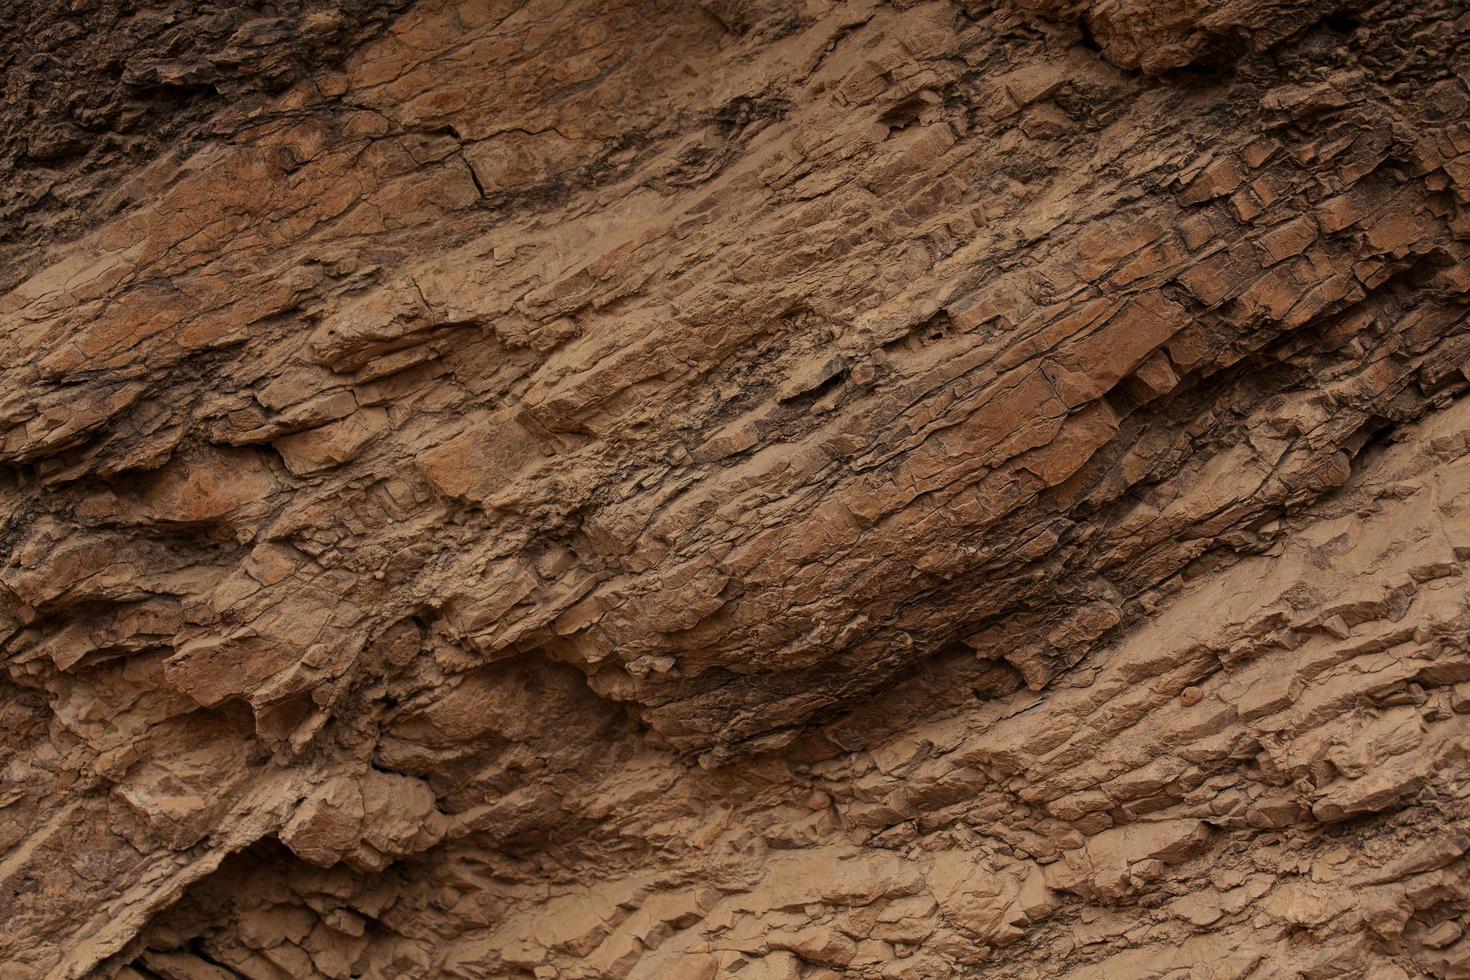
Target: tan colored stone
<point>734,489</point>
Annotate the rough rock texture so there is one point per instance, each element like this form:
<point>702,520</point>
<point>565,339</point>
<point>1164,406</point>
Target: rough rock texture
<point>93,86</point>
<point>762,489</point>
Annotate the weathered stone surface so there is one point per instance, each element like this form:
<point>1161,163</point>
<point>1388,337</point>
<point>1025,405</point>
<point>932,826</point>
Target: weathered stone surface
<point>768,490</point>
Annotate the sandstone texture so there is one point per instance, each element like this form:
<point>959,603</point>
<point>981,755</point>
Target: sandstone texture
<point>776,489</point>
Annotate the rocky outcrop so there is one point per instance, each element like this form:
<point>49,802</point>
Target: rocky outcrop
<point>777,490</point>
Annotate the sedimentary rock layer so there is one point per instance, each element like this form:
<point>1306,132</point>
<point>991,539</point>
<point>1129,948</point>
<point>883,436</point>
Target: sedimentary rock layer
<point>778,490</point>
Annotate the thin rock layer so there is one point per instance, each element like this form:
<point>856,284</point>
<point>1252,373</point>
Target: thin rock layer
<point>771,490</point>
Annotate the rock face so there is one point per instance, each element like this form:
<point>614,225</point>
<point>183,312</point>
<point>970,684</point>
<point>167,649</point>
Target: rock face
<point>650,489</point>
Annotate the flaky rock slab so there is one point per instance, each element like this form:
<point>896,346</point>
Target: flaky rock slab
<point>770,490</point>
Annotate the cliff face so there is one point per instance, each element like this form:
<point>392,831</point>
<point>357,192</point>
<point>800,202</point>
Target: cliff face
<point>759,489</point>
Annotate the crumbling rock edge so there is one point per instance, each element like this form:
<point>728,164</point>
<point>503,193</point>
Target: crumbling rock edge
<point>786,490</point>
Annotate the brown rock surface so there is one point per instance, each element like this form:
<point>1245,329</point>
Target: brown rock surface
<point>758,489</point>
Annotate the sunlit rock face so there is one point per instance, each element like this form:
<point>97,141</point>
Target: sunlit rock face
<point>775,490</point>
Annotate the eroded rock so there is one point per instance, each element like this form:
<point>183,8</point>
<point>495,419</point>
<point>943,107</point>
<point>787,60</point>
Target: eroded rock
<point>792,490</point>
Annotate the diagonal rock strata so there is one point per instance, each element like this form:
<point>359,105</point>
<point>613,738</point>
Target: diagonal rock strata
<point>741,489</point>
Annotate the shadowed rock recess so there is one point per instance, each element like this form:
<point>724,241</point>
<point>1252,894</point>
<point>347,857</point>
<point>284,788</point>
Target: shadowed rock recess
<point>777,490</point>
